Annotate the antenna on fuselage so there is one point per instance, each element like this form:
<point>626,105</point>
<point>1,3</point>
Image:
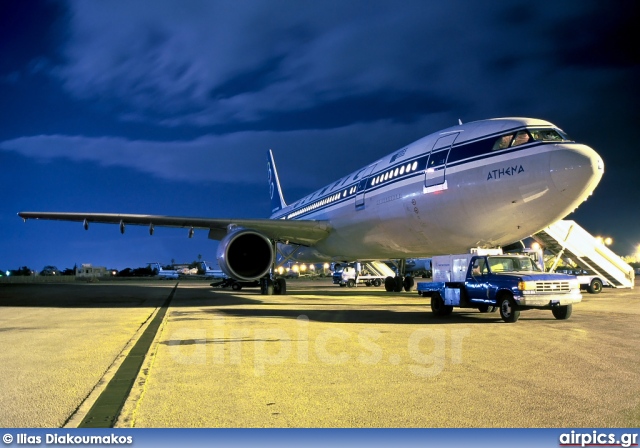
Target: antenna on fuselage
<point>459,121</point>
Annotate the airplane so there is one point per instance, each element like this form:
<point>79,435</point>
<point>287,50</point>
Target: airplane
<point>486,183</point>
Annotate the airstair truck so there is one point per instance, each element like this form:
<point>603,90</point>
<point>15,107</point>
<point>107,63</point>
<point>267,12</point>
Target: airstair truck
<point>371,273</point>
<point>599,265</point>
<point>511,282</point>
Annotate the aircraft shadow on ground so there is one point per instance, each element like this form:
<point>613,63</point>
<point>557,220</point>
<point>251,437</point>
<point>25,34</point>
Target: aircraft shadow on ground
<point>82,295</point>
<point>361,316</point>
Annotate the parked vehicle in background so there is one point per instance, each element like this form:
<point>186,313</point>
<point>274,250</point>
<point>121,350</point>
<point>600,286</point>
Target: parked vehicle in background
<point>163,273</point>
<point>372,273</point>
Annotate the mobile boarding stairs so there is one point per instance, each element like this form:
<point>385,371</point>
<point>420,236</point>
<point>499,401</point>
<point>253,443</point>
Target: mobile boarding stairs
<point>567,239</point>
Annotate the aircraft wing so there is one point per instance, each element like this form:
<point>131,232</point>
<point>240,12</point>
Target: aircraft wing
<point>303,232</point>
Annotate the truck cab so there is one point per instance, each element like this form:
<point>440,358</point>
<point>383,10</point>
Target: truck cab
<point>511,282</point>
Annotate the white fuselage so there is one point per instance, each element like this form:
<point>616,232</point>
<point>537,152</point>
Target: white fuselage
<point>451,191</point>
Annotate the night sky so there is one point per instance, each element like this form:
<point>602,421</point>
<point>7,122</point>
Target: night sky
<point>169,107</point>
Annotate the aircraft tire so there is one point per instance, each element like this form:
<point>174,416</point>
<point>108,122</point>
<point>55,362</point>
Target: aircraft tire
<point>595,287</point>
<point>266,287</point>
<point>280,286</point>
<point>389,284</point>
<point>562,312</point>
<point>399,284</point>
<point>408,283</point>
<point>509,310</point>
<point>236,287</point>
<point>487,309</point>
<point>483,308</point>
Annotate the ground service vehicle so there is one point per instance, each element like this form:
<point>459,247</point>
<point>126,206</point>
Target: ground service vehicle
<point>598,265</point>
<point>372,273</point>
<point>511,282</point>
<point>163,274</point>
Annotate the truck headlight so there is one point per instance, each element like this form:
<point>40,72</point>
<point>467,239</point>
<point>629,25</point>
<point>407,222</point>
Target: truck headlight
<point>527,286</point>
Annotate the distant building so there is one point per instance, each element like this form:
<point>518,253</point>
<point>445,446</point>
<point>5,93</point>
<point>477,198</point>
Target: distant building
<point>89,271</point>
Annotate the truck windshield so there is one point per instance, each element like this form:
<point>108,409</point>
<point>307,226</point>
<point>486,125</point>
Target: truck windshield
<point>512,264</point>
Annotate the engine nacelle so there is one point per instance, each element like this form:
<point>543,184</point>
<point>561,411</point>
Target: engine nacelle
<point>245,255</point>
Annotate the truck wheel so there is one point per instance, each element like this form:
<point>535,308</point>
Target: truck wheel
<point>408,283</point>
<point>377,282</point>
<point>438,307</point>
<point>483,308</point>
<point>236,287</point>
<point>562,312</point>
<point>280,286</point>
<point>389,284</point>
<point>351,283</point>
<point>595,287</point>
<point>509,310</point>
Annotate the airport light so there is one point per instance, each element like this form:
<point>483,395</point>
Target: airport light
<point>608,241</point>
<point>303,267</point>
<point>280,270</point>
<point>535,246</point>
<point>604,240</point>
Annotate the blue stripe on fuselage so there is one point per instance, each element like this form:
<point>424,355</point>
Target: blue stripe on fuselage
<point>314,206</point>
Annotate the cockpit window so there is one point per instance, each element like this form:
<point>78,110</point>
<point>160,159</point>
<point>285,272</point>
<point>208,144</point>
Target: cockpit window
<point>548,135</point>
<point>502,142</point>
<point>521,138</point>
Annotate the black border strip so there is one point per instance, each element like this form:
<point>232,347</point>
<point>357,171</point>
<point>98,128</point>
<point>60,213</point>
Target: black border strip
<point>106,409</point>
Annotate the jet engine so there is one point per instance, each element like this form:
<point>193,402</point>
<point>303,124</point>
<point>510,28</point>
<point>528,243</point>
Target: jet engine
<point>245,255</point>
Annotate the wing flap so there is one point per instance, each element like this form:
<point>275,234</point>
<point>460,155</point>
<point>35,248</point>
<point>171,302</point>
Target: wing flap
<point>304,232</point>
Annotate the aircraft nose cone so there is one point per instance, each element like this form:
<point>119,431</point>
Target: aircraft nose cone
<point>576,170</point>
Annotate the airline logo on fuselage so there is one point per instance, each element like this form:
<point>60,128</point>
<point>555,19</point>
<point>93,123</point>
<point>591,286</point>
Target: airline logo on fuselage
<point>502,172</point>
<point>397,155</point>
<point>270,180</point>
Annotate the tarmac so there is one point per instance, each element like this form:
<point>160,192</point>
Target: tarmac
<point>184,354</point>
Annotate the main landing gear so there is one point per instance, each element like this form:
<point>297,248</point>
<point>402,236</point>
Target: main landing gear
<point>400,281</point>
<point>269,286</point>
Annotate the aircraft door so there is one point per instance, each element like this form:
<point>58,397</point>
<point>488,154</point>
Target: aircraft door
<point>362,186</point>
<point>434,173</point>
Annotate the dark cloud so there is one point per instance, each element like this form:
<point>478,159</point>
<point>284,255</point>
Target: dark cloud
<point>601,37</point>
<point>29,31</point>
